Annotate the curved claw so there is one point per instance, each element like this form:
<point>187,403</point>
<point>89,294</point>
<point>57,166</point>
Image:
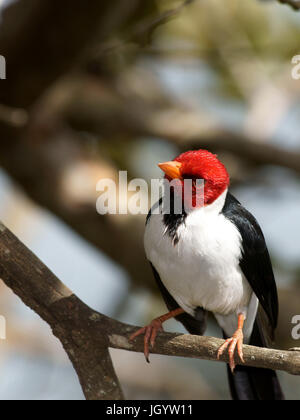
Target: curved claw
<point>150,332</point>
<point>236,341</point>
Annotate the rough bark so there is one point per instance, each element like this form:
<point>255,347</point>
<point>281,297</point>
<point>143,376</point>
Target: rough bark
<point>86,335</point>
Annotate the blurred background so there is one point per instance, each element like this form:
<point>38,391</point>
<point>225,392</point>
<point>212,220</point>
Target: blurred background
<point>97,87</point>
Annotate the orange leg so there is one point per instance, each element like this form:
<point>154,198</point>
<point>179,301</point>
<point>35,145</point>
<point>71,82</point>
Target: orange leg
<point>235,341</point>
<point>153,328</point>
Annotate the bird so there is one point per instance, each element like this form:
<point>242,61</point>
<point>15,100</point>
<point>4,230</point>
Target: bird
<point>212,257</point>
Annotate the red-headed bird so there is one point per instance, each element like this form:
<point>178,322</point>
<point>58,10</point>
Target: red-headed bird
<point>214,258</point>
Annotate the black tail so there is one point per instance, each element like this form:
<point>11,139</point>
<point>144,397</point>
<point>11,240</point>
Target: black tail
<point>248,383</point>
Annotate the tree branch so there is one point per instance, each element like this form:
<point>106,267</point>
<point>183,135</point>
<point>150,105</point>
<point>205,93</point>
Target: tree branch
<point>45,39</point>
<point>189,129</point>
<point>87,335</point>
<point>206,348</point>
<point>70,319</point>
<point>142,31</point>
<point>295,4</point>
<point>145,29</point>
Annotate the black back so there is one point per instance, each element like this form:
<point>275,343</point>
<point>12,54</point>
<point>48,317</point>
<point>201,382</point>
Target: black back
<point>255,263</point>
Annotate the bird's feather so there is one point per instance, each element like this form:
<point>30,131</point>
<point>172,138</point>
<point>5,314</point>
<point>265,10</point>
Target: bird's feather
<point>255,263</point>
<point>193,324</point>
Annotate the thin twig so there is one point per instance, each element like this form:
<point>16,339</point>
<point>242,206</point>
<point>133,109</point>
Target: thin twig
<point>295,4</point>
<point>142,31</point>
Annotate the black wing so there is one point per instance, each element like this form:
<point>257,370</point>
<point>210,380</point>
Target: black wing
<point>194,325</point>
<point>255,263</point>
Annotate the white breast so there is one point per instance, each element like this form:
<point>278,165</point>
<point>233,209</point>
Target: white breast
<point>202,269</point>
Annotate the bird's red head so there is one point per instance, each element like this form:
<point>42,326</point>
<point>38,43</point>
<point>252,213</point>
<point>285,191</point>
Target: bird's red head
<point>199,164</point>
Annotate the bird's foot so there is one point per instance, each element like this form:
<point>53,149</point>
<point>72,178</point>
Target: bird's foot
<point>153,328</point>
<point>150,332</point>
<point>236,341</point>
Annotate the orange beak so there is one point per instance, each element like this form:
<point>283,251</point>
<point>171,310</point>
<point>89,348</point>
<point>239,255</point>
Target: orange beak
<point>171,169</point>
